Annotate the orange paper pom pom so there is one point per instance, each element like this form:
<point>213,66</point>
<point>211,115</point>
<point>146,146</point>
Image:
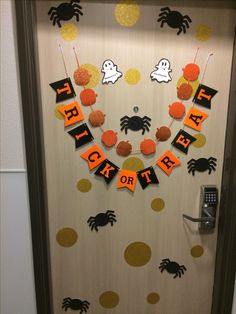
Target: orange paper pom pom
<point>81,77</point>
<point>184,91</point>
<point>96,118</point>
<point>163,133</point>
<point>148,147</point>
<point>191,72</point>
<point>88,97</point>
<point>177,110</point>
<point>124,148</point>
<point>109,138</point>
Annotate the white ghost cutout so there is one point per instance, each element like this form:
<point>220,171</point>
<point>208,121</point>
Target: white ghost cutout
<point>162,72</point>
<point>111,74</point>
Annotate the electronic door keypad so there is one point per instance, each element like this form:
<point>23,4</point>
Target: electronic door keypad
<point>207,209</point>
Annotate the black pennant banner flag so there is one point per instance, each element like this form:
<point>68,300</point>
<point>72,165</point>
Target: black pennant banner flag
<point>183,140</point>
<point>107,170</point>
<point>147,176</point>
<point>81,134</point>
<point>64,89</point>
<point>204,95</point>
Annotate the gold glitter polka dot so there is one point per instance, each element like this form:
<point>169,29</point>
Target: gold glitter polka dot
<point>69,32</point>
<point>203,32</point>
<point>194,84</point>
<point>157,204</point>
<point>137,254</point>
<point>127,13</point>
<point>153,298</point>
<point>201,140</point>
<point>197,251</point>
<point>133,163</point>
<point>67,237</point>
<point>57,113</point>
<point>132,76</point>
<point>109,299</point>
<point>84,185</point>
<point>95,75</point>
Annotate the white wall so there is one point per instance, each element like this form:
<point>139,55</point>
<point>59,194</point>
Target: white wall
<point>17,294</point>
<point>16,270</point>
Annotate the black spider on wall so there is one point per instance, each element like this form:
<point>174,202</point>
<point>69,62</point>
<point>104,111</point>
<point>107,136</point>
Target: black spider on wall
<point>102,219</point>
<point>174,19</point>
<point>172,267</point>
<point>75,304</point>
<point>201,165</point>
<point>135,123</point>
<point>65,12</point>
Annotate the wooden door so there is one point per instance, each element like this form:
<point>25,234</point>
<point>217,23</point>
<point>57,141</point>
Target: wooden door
<point>129,250</point>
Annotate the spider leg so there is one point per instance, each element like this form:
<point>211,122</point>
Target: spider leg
<point>67,299</point>
<point>166,260</point>
<point>77,6</point>
<point>163,22</point>
<point>166,9</point>
<point>77,14</point>
<point>161,18</point>
<point>91,219</point>
<point>52,16</point>
<point>56,20</point>
<point>186,17</point>
<point>162,268</point>
<point>66,307</point>
<point>183,267</point>
<point>186,23</point>
<point>162,14</point>
<point>124,126</point>
<point>191,160</point>
<point>181,29</point>
<point>212,159</point>
<point>110,211</point>
<point>212,163</point>
<point>123,118</point>
<point>211,168</point>
<point>192,169</point>
<point>176,275</point>
<point>86,303</point>
<point>83,309</point>
<point>146,117</point>
<point>147,123</point>
<point>145,128</point>
<point>51,10</point>
<point>111,216</point>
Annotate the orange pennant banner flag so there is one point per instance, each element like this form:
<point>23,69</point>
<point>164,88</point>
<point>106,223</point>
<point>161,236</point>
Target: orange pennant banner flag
<point>72,113</point>
<point>167,162</point>
<point>94,156</point>
<point>127,179</point>
<point>194,118</point>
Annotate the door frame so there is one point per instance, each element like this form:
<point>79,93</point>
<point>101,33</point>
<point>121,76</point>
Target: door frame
<point>225,266</point>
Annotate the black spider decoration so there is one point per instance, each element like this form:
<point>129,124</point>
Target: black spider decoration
<point>135,123</point>
<point>65,12</point>
<point>172,267</point>
<point>174,19</point>
<point>201,165</point>
<point>75,304</point>
<point>102,219</point>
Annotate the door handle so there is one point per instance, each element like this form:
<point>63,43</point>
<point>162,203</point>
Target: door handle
<point>208,221</point>
<point>208,205</point>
